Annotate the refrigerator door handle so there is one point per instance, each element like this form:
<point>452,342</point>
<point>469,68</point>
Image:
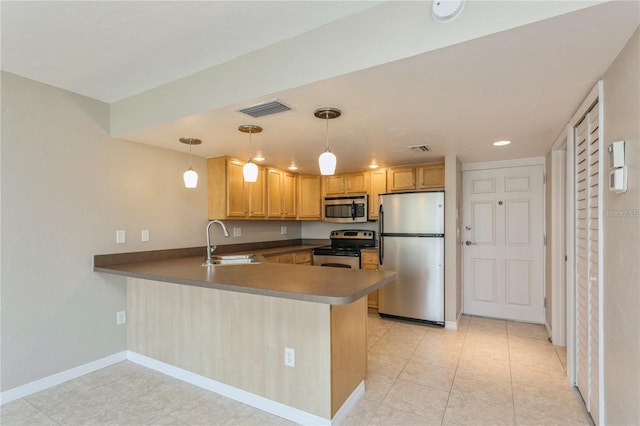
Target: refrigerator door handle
<point>380,237</point>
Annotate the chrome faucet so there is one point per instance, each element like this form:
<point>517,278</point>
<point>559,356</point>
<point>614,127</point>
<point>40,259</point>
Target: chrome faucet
<point>210,248</point>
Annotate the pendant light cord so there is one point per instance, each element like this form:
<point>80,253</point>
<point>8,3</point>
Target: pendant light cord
<point>189,154</point>
<point>327,120</point>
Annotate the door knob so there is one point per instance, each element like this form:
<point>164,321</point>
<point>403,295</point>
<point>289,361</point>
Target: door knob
<point>469,243</point>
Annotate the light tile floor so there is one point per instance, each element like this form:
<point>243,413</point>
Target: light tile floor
<point>488,372</point>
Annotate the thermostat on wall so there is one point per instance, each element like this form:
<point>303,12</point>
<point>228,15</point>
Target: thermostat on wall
<point>616,154</point>
<point>618,179</point>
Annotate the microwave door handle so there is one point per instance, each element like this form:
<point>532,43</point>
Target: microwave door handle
<point>380,234</point>
<point>353,210</point>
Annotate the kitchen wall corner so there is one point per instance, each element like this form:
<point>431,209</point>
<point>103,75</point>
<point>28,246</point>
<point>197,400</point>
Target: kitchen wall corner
<point>66,188</point>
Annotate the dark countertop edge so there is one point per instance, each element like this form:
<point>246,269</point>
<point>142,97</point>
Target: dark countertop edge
<point>328,300</point>
<point>103,260</point>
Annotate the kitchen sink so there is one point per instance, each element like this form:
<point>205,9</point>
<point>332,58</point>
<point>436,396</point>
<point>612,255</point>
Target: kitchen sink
<point>240,259</point>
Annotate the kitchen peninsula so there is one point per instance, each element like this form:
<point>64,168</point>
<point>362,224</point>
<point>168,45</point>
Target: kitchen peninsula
<point>232,324</point>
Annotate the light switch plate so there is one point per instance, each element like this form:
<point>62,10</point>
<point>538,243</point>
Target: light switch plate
<point>144,235</point>
<point>120,237</point>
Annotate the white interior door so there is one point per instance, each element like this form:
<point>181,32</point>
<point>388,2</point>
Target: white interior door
<point>504,243</point>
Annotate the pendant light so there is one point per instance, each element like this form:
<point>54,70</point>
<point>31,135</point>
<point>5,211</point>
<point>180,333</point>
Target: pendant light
<point>250,170</point>
<point>327,160</point>
<point>190,176</point>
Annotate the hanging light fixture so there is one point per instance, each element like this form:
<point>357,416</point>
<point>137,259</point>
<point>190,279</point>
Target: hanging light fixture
<point>250,170</point>
<point>327,160</point>
<point>190,176</point>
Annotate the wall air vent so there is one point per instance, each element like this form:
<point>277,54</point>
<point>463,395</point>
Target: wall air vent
<point>419,148</point>
<point>268,108</point>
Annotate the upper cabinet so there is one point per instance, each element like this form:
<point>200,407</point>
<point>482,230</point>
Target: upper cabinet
<point>346,183</point>
<point>378,185</point>
<point>309,197</point>
<point>229,196</point>
<point>421,177</point>
<point>430,176</point>
<point>281,194</point>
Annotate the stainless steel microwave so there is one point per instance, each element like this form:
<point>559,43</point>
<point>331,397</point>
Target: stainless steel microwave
<point>345,208</point>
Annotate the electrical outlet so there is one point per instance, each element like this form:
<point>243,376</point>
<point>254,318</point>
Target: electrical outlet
<point>144,235</point>
<point>237,232</point>
<point>121,317</point>
<point>283,230</point>
<point>289,357</point>
<point>120,237</point>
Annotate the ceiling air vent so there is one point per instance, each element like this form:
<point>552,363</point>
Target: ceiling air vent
<point>268,108</point>
<point>419,148</point>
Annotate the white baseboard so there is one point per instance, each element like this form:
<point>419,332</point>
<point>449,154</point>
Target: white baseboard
<point>453,325</point>
<point>56,379</point>
<point>348,405</point>
<point>262,403</point>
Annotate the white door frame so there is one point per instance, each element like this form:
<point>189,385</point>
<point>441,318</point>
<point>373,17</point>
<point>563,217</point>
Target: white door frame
<point>558,186</point>
<point>595,94</point>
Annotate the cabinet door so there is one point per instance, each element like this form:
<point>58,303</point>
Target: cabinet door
<point>302,258</point>
<point>357,183</point>
<point>309,199</point>
<point>236,205</point>
<point>256,195</point>
<point>430,176</point>
<point>274,192</point>
<point>289,195</point>
<point>378,186</point>
<point>401,179</point>
<point>334,185</point>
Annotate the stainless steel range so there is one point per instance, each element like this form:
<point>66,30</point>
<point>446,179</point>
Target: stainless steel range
<point>344,251</point>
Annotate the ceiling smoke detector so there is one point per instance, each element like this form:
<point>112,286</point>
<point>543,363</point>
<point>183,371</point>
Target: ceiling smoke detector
<point>269,108</point>
<point>420,148</point>
<point>444,11</point>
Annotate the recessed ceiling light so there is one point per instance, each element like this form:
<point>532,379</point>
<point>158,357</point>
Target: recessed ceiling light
<point>258,158</point>
<point>293,167</point>
<point>501,143</point>
<point>373,166</point>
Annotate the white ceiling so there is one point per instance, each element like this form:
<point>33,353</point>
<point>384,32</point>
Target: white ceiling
<point>522,84</point>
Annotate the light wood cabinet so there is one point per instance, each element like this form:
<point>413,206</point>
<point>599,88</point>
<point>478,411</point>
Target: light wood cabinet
<point>334,185</point>
<point>357,183</point>
<point>370,261</point>
<point>378,185</point>
<point>401,179</point>
<point>229,196</point>
<point>280,194</point>
<point>421,177</point>
<point>430,176</point>
<point>347,183</point>
<point>298,258</point>
<point>302,257</point>
<point>309,197</point>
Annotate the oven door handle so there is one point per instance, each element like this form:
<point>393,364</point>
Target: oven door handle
<point>336,265</point>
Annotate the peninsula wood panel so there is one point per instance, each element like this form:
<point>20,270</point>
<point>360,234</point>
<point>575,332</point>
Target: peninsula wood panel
<point>348,350</point>
<point>239,339</point>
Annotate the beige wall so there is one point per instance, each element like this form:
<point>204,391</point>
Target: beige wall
<point>66,188</point>
<point>621,246</point>
<point>453,252</point>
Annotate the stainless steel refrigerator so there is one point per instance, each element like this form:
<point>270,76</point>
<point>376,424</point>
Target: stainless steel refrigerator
<point>411,233</point>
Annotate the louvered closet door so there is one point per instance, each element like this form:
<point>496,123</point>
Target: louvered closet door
<point>588,195</point>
